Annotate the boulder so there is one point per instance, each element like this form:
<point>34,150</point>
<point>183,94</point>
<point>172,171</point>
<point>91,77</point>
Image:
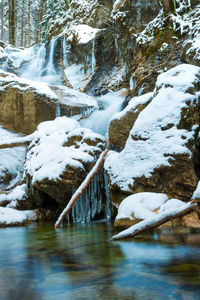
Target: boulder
<point>58,160</point>
<point>122,122</point>
<point>142,206</point>
<point>72,102</point>
<point>24,103</point>
<point>161,154</point>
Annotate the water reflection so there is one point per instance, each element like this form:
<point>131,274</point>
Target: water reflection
<point>76,262</point>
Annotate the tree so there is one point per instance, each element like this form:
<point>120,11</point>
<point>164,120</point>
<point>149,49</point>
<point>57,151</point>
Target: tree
<point>2,19</point>
<point>169,6</point>
<point>22,23</point>
<point>12,22</point>
<point>40,15</point>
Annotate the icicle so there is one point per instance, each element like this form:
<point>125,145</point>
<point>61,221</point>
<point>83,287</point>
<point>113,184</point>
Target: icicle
<point>108,208</point>
<point>65,60</point>
<point>58,109</point>
<point>132,83</point>
<point>93,56</point>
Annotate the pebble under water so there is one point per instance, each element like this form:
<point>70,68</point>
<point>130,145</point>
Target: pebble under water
<point>76,262</point>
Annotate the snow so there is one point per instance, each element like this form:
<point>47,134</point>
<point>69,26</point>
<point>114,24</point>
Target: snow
<point>48,157</point>
<point>182,77</point>
<point>151,143</point>
<point>10,216</point>
<point>174,209</point>
<point>140,205</point>
<point>133,103</point>
<point>18,193</point>
<point>8,79</point>
<point>11,160</point>
<point>196,194</point>
<point>84,33</point>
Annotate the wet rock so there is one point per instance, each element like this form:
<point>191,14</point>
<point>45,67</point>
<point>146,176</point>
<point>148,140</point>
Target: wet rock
<point>72,102</point>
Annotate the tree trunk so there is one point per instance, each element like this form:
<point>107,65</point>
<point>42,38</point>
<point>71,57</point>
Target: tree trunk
<point>169,6</point>
<point>40,13</point>
<point>82,187</point>
<point>10,20</point>
<point>2,19</point>
<point>154,222</point>
<point>29,23</point>
<point>22,24</point>
<point>13,22</point>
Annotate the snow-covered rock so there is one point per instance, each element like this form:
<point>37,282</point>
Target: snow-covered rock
<point>158,155</point>
<point>60,156</point>
<point>11,160</point>
<point>13,217</point>
<point>147,206</point>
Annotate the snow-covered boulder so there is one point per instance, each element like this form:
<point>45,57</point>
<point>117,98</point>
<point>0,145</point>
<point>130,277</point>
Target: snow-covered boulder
<point>13,217</point>
<point>11,160</point>
<point>160,153</point>
<point>59,158</point>
<point>147,205</point>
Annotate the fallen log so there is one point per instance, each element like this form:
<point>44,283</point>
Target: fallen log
<point>154,222</point>
<point>82,187</point>
<point>17,142</point>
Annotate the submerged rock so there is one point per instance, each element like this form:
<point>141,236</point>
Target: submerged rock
<point>161,153</point>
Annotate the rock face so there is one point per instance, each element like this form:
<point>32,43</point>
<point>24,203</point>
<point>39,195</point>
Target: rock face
<point>24,104</point>
<point>161,150</point>
<point>59,159</point>
<point>121,124</point>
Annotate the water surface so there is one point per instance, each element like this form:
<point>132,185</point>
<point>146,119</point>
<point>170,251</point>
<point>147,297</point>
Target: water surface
<point>76,262</point>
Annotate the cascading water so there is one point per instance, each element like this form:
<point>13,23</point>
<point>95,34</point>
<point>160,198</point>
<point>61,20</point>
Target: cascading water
<point>39,69</point>
<point>34,68</point>
<point>98,121</point>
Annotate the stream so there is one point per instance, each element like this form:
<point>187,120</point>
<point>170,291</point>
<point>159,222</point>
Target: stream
<point>76,262</point>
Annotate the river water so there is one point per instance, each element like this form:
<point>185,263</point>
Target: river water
<point>76,262</point>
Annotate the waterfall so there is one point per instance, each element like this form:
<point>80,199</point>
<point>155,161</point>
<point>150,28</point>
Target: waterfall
<point>99,120</point>
<point>40,70</point>
<point>50,69</point>
<point>34,68</point>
